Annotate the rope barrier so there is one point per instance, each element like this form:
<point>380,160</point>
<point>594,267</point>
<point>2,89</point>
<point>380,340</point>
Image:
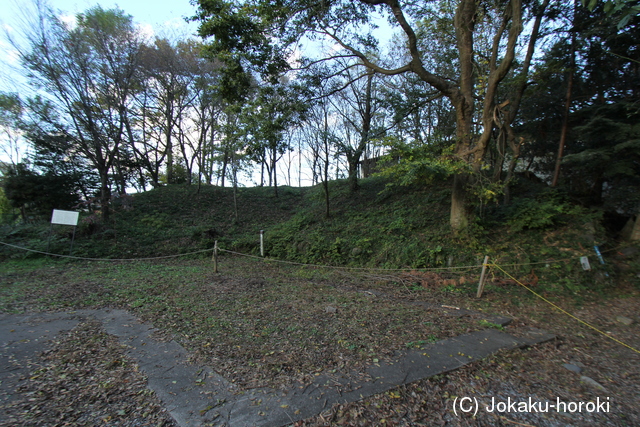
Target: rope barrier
<point>351,269</point>
<point>562,310</point>
<point>337,267</point>
<point>469,267</point>
<point>104,259</point>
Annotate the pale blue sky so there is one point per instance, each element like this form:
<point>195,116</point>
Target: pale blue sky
<point>162,17</point>
<point>155,13</point>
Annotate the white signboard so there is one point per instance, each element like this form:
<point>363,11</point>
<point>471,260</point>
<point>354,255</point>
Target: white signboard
<point>65,217</point>
<point>585,263</point>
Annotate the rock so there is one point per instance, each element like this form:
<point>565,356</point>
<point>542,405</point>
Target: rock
<point>624,320</point>
<point>356,251</point>
<point>627,230</point>
<point>629,252</point>
<point>591,382</point>
<point>330,309</point>
<point>572,367</point>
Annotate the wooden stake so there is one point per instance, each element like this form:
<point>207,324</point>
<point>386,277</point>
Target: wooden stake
<point>215,257</point>
<point>481,282</point>
<point>262,243</point>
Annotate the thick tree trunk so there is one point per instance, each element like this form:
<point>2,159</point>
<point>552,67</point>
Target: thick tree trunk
<point>353,173</point>
<point>354,157</point>
<point>105,195</point>
<point>459,218</point>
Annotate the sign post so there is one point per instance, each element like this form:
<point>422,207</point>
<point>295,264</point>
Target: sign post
<point>64,218</point>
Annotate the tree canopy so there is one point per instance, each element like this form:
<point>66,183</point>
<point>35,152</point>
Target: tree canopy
<point>474,92</point>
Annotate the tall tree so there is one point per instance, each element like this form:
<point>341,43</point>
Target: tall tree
<point>359,115</point>
<point>89,72</point>
<point>170,72</point>
<point>275,108</point>
<point>258,32</point>
<point>11,111</point>
<point>600,165</point>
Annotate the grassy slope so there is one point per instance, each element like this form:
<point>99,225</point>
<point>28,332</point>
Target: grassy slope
<point>375,227</point>
<point>261,314</point>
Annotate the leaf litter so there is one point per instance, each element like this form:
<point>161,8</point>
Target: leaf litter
<point>85,379</point>
<point>269,326</point>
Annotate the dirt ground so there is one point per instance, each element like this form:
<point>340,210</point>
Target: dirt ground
<point>86,378</point>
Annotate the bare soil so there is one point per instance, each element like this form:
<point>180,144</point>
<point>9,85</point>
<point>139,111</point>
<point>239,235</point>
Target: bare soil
<point>261,330</point>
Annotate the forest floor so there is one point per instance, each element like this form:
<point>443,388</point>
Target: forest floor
<point>267,325</point>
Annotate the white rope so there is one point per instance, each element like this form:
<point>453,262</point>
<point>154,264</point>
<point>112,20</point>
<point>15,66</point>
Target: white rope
<point>104,259</point>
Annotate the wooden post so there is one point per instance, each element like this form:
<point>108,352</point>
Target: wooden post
<point>73,238</point>
<point>481,282</point>
<point>262,243</point>
<point>215,257</point>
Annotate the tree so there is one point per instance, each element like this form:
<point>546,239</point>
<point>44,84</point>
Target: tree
<point>274,109</point>
<point>258,33</point>
<point>35,194</point>
<point>623,10</point>
<point>11,111</point>
<point>89,74</point>
<point>170,73</point>
<point>600,165</point>
<point>359,114</point>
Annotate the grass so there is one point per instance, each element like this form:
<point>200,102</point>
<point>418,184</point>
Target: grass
<point>258,322</point>
<point>406,227</point>
<point>265,323</point>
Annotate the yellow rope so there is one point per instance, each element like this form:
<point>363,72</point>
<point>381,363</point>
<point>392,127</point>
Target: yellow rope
<point>562,310</point>
<point>104,259</point>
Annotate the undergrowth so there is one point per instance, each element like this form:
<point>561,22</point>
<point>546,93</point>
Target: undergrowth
<point>539,237</point>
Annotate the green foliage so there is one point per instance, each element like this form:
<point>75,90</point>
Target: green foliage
<point>624,10</point>
<point>6,210</point>
<point>542,211</point>
<point>38,195</point>
<point>416,163</point>
<point>180,174</point>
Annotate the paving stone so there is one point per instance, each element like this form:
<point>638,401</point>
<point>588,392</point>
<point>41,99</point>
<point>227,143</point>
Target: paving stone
<point>624,320</point>
<point>572,367</point>
<point>196,395</point>
<point>591,382</point>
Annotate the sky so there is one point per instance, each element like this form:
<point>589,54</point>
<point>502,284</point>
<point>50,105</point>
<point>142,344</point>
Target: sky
<point>164,18</point>
<point>160,17</point>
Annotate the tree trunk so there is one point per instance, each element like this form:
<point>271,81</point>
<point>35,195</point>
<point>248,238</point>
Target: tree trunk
<point>353,173</point>
<point>223,174</point>
<point>354,157</point>
<point>234,170</point>
<point>105,195</point>
<point>169,147</point>
<point>563,133</point>
<point>567,102</point>
<point>459,219</point>
<point>274,159</point>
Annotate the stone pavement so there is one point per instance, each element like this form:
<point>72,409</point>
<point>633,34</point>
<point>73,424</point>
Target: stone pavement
<point>196,395</point>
